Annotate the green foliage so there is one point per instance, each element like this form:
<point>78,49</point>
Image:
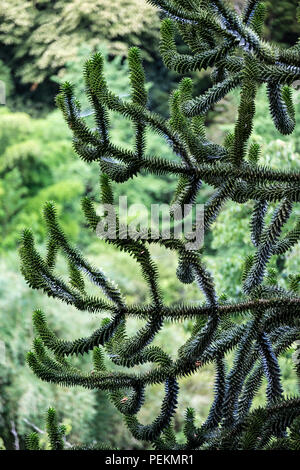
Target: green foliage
<point>279,19</point>
<point>6,78</point>
<point>43,36</point>
<point>29,166</point>
<point>263,324</point>
<point>282,25</point>
<point>56,435</point>
<point>37,163</point>
<point>231,240</point>
<point>24,398</point>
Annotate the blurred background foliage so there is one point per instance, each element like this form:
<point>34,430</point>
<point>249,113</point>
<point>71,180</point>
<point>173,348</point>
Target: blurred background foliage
<point>42,44</point>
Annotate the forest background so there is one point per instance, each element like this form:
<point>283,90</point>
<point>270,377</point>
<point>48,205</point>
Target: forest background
<point>43,43</point>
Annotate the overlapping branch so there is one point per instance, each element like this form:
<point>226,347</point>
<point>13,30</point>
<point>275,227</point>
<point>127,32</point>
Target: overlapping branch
<point>258,328</point>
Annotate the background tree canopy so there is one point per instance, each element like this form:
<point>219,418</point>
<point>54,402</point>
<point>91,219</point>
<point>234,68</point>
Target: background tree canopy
<point>44,35</point>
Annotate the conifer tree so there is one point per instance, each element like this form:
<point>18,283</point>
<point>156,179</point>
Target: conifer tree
<point>261,327</point>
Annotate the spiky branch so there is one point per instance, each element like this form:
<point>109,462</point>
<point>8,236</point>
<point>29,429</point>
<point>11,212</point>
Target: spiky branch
<point>217,37</point>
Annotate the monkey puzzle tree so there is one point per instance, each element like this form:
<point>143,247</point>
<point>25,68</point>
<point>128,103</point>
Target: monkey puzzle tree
<point>262,326</point>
